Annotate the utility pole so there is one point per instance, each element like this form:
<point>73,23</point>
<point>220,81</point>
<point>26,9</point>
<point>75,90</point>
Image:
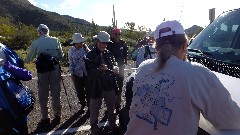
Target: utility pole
<point>211,14</point>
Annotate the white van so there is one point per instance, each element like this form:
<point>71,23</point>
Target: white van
<point>218,48</point>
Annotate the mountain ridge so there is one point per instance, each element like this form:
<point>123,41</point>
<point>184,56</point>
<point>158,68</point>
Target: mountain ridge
<point>23,11</point>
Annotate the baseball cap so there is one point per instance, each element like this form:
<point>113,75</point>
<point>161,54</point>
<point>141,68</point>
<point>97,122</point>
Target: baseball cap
<point>77,38</point>
<point>103,36</point>
<point>168,28</point>
<point>116,30</point>
<point>42,26</point>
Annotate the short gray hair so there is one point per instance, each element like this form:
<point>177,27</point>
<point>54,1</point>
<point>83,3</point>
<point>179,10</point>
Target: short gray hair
<point>43,28</point>
<point>44,31</point>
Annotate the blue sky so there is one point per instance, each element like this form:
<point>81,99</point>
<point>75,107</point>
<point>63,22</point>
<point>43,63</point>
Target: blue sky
<point>148,13</point>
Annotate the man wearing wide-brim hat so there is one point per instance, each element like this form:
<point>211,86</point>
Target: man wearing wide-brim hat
<point>101,68</point>
<point>77,69</point>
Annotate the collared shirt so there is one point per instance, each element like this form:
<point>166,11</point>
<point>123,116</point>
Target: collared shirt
<point>44,44</point>
<point>76,61</point>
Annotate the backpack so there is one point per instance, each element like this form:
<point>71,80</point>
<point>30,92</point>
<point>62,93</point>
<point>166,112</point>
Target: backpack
<point>12,57</point>
<point>20,97</point>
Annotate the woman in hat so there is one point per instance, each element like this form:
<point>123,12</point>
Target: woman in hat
<point>77,68</point>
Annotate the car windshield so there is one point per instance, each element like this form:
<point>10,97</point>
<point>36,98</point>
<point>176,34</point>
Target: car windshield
<point>220,40</point>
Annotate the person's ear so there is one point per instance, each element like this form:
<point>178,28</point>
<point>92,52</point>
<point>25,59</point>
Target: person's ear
<point>184,47</point>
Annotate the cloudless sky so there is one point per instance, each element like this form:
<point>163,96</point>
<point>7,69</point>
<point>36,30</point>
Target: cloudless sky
<point>148,13</point>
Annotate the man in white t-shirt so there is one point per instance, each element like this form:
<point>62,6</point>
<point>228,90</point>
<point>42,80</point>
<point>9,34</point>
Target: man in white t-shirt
<point>169,93</point>
<point>147,51</point>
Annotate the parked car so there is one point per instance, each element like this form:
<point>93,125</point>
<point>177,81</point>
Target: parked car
<point>218,48</point>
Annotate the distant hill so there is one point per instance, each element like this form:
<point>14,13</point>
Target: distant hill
<point>26,13</point>
<point>193,30</point>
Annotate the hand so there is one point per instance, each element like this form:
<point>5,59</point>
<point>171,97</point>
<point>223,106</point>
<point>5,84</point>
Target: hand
<point>103,67</point>
<point>115,70</point>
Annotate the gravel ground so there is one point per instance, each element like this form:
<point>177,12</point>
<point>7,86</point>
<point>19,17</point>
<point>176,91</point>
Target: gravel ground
<point>71,117</point>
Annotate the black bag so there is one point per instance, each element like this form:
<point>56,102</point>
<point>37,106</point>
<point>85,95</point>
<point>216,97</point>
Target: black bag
<point>45,63</point>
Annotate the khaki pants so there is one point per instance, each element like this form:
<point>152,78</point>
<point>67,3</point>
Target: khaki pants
<point>49,82</point>
<point>95,106</point>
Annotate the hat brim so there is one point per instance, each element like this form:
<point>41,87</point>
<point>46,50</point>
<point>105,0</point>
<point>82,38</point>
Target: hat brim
<point>78,41</point>
<point>96,37</point>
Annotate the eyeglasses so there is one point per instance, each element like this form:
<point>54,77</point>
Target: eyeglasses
<point>102,42</point>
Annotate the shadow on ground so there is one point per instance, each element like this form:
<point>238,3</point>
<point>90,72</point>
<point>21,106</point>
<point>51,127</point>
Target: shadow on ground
<point>75,120</point>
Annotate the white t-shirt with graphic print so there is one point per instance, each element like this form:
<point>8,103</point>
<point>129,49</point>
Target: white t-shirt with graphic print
<point>169,101</point>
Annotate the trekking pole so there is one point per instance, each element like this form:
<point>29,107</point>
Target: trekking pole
<point>65,89</point>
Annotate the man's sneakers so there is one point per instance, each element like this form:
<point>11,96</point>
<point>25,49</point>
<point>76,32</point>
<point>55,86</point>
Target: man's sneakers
<point>44,122</point>
<point>43,126</point>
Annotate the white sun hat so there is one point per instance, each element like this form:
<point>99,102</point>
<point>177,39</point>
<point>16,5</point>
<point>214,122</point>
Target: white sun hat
<point>77,38</point>
<point>103,36</point>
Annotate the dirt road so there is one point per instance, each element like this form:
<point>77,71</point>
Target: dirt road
<point>73,121</point>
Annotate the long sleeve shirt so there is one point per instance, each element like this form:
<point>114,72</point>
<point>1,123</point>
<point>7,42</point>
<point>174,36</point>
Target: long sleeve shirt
<point>169,101</point>
<point>76,61</point>
<point>45,44</point>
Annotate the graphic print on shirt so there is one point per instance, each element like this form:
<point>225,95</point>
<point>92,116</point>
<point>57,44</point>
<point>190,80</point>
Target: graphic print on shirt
<point>153,99</point>
<point>77,63</point>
